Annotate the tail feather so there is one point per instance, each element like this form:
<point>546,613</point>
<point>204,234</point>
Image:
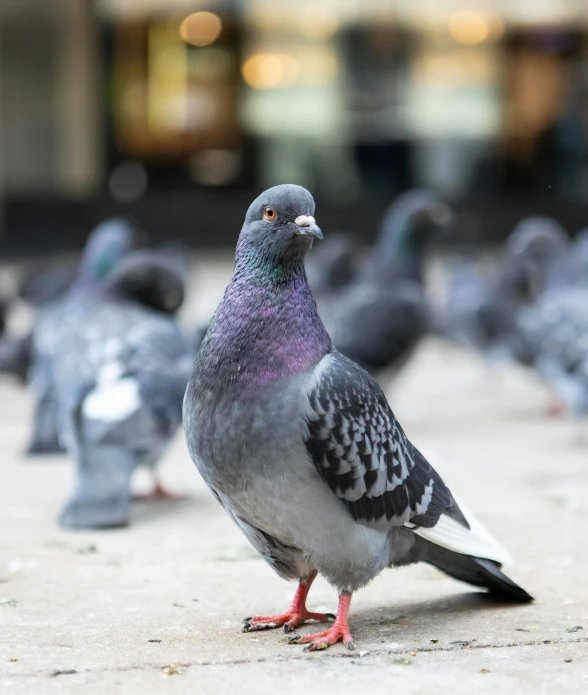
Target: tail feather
<point>476,571</point>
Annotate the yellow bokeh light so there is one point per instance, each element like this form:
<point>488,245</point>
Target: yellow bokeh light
<point>270,70</point>
<point>468,27</point>
<point>201,28</point>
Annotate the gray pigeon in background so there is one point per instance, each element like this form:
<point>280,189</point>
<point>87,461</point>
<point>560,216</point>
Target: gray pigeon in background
<point>550,332</point>
<point>107,245</point>
<point>119,385</point>
<point>335,263</point>
<point>551,337</point>
<point>299,445</point>
<point>15,356</point>
<point>477,315</point>
<point>378,319</point>
<point>535,254</point>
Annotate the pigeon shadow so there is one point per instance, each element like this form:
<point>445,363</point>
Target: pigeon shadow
<point>412,618</point>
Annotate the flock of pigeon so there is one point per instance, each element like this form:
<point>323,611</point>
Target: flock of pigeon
<point>282,413</point>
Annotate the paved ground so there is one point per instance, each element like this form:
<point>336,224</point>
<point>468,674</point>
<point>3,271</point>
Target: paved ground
<point>156,607</point>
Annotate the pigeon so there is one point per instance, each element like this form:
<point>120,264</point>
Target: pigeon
<point>300,446</point>
<point>119,385</point>
<point>378,319</point>
<point>109,242</point>
<point>44,282</point>
<point>335,263</point>
<point>551,337</point>
<point>477,315</point>
<point>535,255</point>
<point>15,356</point>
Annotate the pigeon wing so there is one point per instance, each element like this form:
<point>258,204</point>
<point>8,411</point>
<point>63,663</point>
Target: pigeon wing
<point>362,453</point>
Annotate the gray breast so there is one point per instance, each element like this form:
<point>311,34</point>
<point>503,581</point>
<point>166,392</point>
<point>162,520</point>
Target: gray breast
<point>233,440</point>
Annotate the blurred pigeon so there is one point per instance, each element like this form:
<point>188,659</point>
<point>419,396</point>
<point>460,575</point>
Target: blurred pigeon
<point>300,446</point>
<point>119,384</point>
<point>15,356</point>
<point>534,256</point>
<point>44,282</point>
<point>552,337</point>
<point>57,321</point>
<point>477,314</point>
<point>378,319</point>
<point>335,263</point>
<point>550,333</point>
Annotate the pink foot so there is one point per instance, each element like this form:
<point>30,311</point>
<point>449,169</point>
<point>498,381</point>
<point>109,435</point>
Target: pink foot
<point>296,615</point>
<point>159,492</point>
<point>339,632</point>
<point>290,620</point>
<point>555,406</point>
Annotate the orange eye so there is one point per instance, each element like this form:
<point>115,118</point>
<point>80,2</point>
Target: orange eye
<point>269,214</point>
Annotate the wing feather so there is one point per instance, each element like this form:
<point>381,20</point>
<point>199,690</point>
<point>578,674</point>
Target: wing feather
<point>363,455</point>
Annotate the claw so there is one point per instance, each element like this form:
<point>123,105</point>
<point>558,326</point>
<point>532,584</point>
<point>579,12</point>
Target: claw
<point>296,615</point>
<point>338,632</point>
<point>246,620</point>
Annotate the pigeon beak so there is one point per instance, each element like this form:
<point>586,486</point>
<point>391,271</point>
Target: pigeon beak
<point>307,226</point>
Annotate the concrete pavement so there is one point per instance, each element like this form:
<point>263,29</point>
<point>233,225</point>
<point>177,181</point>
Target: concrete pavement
<point>156,607</point>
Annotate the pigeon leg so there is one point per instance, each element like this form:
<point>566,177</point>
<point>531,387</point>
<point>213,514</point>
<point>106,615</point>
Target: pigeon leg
<point>295,615</point>
<point>555,406</point>
<point>159,492</point>
<point>339,632</point>
<point>45,438</point>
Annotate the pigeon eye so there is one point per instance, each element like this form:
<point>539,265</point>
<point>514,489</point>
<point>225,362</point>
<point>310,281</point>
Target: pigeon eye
<point>269,214</point>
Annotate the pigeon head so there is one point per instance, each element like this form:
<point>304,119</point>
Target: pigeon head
<point>532,252</point>
<point>108,244</point>
<point>539,239</point>
<point>267,326</point>
<point>408,225</point>
<point>279,228</point>
<point>148,278</point>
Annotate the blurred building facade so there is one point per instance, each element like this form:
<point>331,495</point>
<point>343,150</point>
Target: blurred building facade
<point>178,111</point>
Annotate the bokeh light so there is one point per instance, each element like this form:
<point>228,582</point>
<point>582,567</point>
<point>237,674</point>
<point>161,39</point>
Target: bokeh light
<point>201,28</point>
<point>468,27</point>
<point>270,70</point>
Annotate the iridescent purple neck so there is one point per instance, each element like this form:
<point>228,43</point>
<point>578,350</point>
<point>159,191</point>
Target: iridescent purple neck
<point>266,328</point>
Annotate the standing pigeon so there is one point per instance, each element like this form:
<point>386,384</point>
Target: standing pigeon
<point>109,242</point>
<point>378,319</point>
<point>119,384</point>
<point>300,446</point>
<point>542,274</point>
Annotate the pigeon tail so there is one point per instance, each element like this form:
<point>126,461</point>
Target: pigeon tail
<point>476,571</point>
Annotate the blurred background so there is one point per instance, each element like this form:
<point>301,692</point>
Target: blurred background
<point>178,112</point>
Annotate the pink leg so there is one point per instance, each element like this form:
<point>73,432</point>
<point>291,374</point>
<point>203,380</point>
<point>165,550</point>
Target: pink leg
<point>159,492</point>
<point>339,632</point>
<point>295,615</point>
<point>555,406</point>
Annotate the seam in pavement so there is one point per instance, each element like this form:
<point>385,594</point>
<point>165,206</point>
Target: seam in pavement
<point>350,654</point>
